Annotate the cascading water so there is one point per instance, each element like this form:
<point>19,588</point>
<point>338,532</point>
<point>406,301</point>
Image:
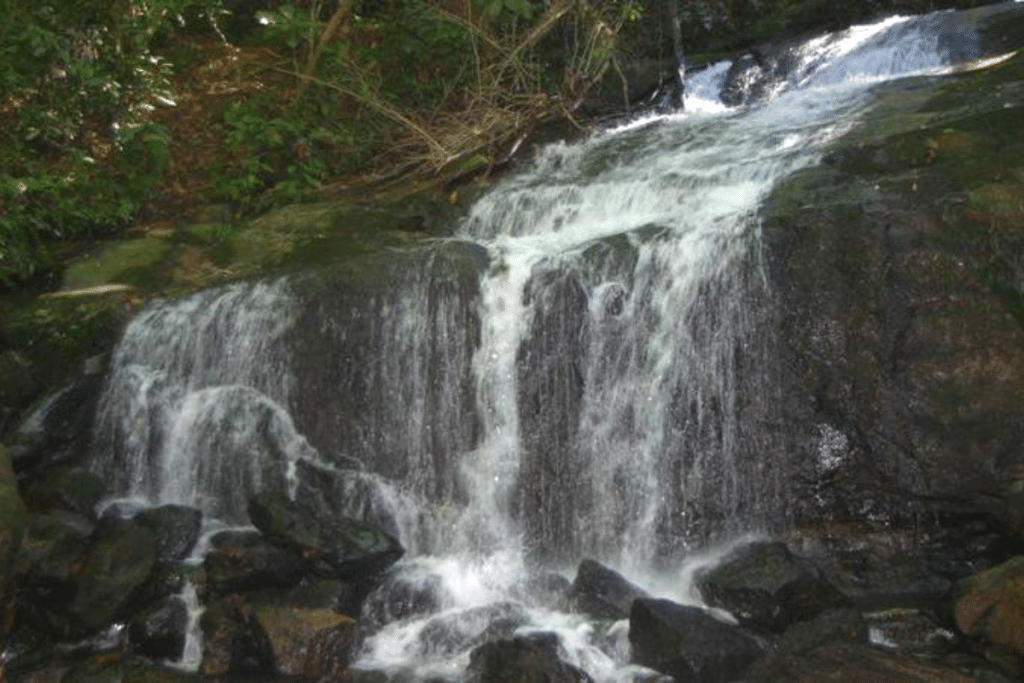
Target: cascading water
<point>584,373</point>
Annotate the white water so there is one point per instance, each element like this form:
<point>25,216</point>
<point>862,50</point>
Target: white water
<point>648,455</point>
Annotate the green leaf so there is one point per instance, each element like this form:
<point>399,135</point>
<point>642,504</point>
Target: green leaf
<point>520,7</point>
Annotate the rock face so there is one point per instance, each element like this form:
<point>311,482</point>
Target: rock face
<point>687,643</point>
<point>897,266</point>
<point>989,606</point>
<point>603,593</point>
<point>766,587</point>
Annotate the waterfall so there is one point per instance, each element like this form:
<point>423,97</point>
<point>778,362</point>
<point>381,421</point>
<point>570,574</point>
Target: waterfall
<point>585,371</point>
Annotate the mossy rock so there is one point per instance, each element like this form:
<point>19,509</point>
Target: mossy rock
<point>132,262</point>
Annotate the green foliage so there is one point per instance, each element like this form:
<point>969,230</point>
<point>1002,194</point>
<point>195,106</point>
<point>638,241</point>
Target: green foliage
<point>76,155</point>
<point>275,151</point>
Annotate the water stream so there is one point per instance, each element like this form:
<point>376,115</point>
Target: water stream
<point>599,385</point>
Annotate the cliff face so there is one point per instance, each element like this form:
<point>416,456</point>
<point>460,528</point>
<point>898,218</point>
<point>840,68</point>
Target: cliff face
<point>899,271</point>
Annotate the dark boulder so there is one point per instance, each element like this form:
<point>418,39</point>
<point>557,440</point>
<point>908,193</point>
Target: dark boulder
<point>330,651</point>
<point>246,562</point>
<point>765,586</point>
<point>602,593</point>
<point>52,548</point>
<point>234,642</point>
<point>354,550</point>
<point>689,644</point>
<point>176,528</point>
<point>159,631</point>
<point>59,431</point>
<point>70,489</point>
<point>404,592</point>
<point>291,631</point>
<point>523,659</point>
<point>116,571</point>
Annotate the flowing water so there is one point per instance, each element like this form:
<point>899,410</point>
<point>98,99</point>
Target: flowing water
<point>586,371</point>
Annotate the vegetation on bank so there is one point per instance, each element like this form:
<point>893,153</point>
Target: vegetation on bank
<point>111,112</point>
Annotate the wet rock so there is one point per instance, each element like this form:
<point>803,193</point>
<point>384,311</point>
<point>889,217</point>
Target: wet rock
<point>116,569</point>
<point>687,643</point>
<point>404,592</point>
<point>159,631</point>
<point>66,488</point>
<point>765,586</point>
<point>858,663</point>
<point>12,527</point>
<point>330,651</point>
<point>294,631</point>
<point>448,634</point>
<point>246,562</point>
<point>989,606</point>
<point>59,431</point>
<point>603,593</point>
<point>234,642</point>
<point>176,528</point>
<point>909,631</point>
<point>354,550</point>
<point>897,276</point>
<point>523,659</point>
<point>53,548</point>
<point>549,395</point>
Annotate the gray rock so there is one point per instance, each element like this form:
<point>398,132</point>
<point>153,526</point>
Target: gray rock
<point>159,631</point>
<point>176,528</point>
<point>689,644</point>
<point>766,587</point>
<point>354,550</point>
<point>603,593</point>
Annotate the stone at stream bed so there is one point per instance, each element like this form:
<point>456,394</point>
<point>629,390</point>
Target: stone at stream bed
<point>53,547</point>
<point>355,550</point>
<point>689,644</point>
<point>233,641</point>
<point>116,569</point>
<point>159,631</point>
<point>602,593</point>
<point>766,587</point>
<point>523,659</point>
<point>253,634</point>
<point>245,561</point>
<point>176,528</point>
<point>292,631</point>
<point>989,606</point>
